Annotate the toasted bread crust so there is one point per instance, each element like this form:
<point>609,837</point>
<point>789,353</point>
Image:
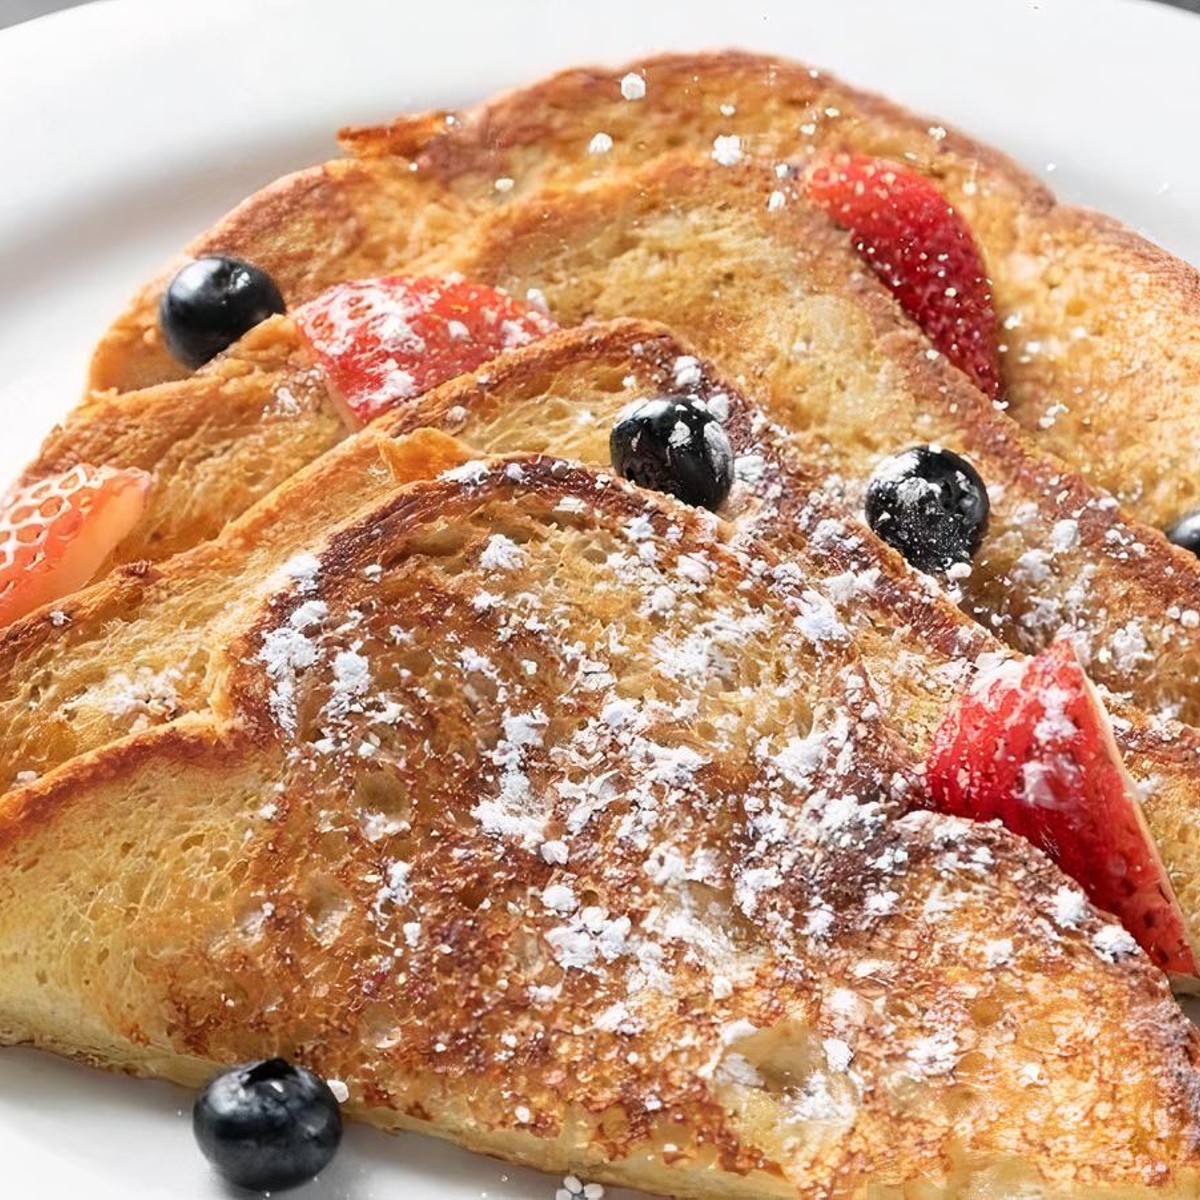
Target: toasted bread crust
<point>748,285</point>
<point>919,651</point>
<point>237,914</point>
<point>235,875</point>
<point>1098,318</point>
<point>340,220</point>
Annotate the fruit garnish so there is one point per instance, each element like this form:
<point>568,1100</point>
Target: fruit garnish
<point>384,341</point>
<point>267,1125</point>
<point>922,249</point>
<point>674,444</point>
<point>210,303</point>
<point>931,505</point>
<point>1185,533</point>
<point>1031,745</point>
<point>55,532</point>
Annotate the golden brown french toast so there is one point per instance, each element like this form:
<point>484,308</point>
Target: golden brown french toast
<point>137,650</point>
<point>215,443</point>
<point>1101,331</point>
<point>794,316</point>
<point>531,860</point>
<point>1051,539</point>
<point>335,674</point>
<point>338,221</point>
<point>777,299</point>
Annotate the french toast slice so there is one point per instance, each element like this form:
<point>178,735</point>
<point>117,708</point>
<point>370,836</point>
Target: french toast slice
<point>1096,318</point>
<point>535,861</point>
<point>920,650</point>
<point>1047,550</point>
<point>845,371</point>
<point>309,229</point>
<point>215,443</point>
<point>777,298</point>
<point>137,649</point>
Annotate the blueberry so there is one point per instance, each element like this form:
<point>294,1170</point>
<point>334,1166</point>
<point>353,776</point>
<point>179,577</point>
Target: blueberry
<point>210,303</point>
<point>929,504</point>
<point>267,1125</point>
<point>674,444</point>
<point>1186,532</point>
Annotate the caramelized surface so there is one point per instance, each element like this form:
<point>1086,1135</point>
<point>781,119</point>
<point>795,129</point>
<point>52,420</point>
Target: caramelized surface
<point>534,858</point>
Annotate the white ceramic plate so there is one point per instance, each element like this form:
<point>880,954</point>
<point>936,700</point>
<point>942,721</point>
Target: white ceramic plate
<point>127,126</point>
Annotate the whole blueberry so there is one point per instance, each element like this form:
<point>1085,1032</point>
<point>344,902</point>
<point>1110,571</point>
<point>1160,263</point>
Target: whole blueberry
<point>931,505</point>
<point>674,444</point>
<point>1186,532</point>
<point>210,303</point>
<point>267,1125</point>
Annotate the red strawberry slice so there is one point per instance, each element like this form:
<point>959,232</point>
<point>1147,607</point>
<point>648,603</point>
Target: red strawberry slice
<point>1031,745</point>
<point>56,532</point>
<point>384,341</point>
<point>922,249</point>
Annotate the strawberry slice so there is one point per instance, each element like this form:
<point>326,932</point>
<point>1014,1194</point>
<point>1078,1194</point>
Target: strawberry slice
<point>383,341</point>
<point>922,249</point>
<point>1031,745</point>
<point>56,532</point>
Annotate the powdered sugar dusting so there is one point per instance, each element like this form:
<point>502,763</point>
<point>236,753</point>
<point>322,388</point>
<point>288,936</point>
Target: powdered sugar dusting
<point>633,86</point>
<point>648,749</point>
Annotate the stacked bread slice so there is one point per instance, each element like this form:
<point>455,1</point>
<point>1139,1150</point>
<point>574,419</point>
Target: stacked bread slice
<point>552,815</point>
